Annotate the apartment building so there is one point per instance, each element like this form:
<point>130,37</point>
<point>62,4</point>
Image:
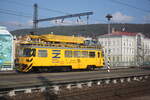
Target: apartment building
<point>125,48</point>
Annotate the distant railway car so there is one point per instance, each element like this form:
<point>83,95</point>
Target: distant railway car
<point>40,57</point>
<point>6,48</point>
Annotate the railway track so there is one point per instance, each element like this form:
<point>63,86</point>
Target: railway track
<point>12,85</point>
<point>119,91</point>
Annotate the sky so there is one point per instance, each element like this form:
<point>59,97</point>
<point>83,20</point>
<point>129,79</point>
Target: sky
<point>18,14</point>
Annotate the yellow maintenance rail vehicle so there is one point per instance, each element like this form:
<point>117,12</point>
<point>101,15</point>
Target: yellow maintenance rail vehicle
<point>49,52</point>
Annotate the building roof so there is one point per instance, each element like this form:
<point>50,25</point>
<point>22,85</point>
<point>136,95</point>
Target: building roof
<point>3,31</point>
<point>118,33</point>
<point>124,33</point>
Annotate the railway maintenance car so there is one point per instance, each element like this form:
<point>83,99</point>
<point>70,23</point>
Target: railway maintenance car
<point>43,53</point>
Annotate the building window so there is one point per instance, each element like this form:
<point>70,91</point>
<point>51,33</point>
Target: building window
<point>42,53</point>
<point>118,42</point>
<point>118,50</point>
<point>118,59</point>
<point>114,43</point>
<point>109,51</point>
<point>105,51</point>
<point>132,51</point>
<point>130,43</point>
<point>109,43</point>
<point>105,43</point>
<point>113,50</point>
<point>114,59</point>
<point>111,59</point>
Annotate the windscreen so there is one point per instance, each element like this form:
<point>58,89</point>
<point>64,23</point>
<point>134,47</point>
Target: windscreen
<point>26,52</point>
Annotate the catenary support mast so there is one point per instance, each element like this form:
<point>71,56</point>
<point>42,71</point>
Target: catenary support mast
<point>36,20</point>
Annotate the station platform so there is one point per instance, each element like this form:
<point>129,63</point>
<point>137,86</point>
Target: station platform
<point>3,72</point>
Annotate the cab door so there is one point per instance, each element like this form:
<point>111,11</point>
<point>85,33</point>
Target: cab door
<point>98,58</point>
<point>78,59</point>
<point>42,57</point>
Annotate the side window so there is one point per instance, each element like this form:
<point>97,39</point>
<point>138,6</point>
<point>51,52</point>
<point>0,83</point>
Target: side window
<point>102,53</point>
<point>34,52</point>
<point>68,53</point>
<point>98,54</point>
<point>42,53</point>
<point>77,54</point>
<point>20,52</point>
<point>84,54</point>
<point>91,54</point>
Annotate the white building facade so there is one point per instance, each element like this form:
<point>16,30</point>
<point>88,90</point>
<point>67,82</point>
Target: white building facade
<point>125,49</point>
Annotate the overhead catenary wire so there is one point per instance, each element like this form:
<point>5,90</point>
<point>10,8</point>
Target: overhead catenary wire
<point>128,5</point>
<point>20,14</point>
<point>15,14</point>
<point>18,3</point>
<point>14,24</point>
<point>58,11</point>
<point>42,8</point>
<point>14,11</point>
<point>24,15</point>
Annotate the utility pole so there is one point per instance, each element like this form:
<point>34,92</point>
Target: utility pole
<point>87,20</point>
<point>108,16</point>
<point>140,52</point>
<point>36,20</point>
<point>35,16</point>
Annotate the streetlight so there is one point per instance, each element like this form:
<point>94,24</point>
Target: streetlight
<point>108,16</point>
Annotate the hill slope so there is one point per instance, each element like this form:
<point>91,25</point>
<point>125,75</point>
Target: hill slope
<point>86,30</point>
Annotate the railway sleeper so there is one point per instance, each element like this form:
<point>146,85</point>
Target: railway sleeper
<point>78,85</point>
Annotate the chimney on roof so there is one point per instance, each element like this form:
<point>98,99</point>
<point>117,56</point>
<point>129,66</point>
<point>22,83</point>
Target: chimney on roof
<point>113,30</point>
<point>123,29</point>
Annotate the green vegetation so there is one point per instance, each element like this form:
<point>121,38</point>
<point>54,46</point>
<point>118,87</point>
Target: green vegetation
<point>86,30</point>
